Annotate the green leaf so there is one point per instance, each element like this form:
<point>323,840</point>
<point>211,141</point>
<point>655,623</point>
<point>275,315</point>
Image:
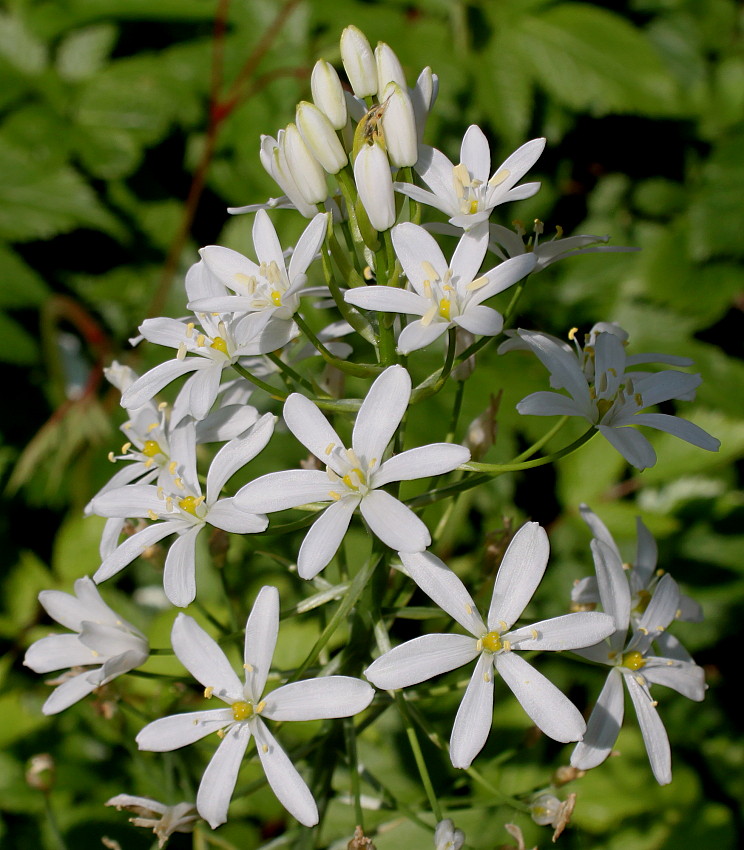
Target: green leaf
<point>84,52</point>
<point>589,58</point>
<point>21,286</point>
<point>19,47</point>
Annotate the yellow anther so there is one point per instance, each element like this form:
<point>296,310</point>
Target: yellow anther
<point>151,448</point>
<point>444,308</point>
<point>200,340</point>
<point>260,707</point>
<point>172,467</point>
<point>572,334</point>
<point>190,330</point>
<point>492,642</point>
<point>112,457</point>
<point>633,660</point>
<point>462,175</point>
<point>499,177</point>
<point>349,480</point>
<point>477,283</point>
<point>469,608</point>
<point>487,676</point>
<point>334,495</point>
<point>125,448</point>
<point>151,513</point>
<point>248,667</point>
<point>220,733</point>
<point>152,426</point>
<point>242,710</point>
<point>534,634</point>
<point>219,344</point>
<point>190,504</point>
<point>427,288</point>
<point>603,405</point>
<point>507,645</point>
<point>179,483</point>
<point>264,748</point>
<point>208,692</point>
<point>276,297</point>
<point>372,463</point>
<point>638,399</point>
<point>149,462</point>
<point>644,597</point>
<point>181,353</point>
<point>329,448</point>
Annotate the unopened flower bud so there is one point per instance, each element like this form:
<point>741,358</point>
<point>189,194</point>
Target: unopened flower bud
<point>40,772</point>
<point>304,167</point>
<point>446,837</point>
<point>423,95</point>
<point>399,126</point>
<point>328,93</point>
<point>359,62</point>
<point>389,69</point>
<point>275,162</point>
<point>375,186</point>
<point>320,137</point>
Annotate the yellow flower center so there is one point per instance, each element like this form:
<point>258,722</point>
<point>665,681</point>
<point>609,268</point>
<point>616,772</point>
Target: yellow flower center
<point>492,642</point>
<point>151,448</point>
<point>349,478</point>
<point>603,405</point>
<point>444,308</point>
<point>190,504</point>
<point>644,597</point>
<point>219,344</point>
<point>242,710</point>
<point>633,660</point>
<point>276,297</point>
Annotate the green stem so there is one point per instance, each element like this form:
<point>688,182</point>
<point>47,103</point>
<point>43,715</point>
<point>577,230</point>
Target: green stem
<point>418,755</point>
<point>351,750</point>
<point>267,388</point>
<point>361,370</point>
<point>286,369</point>
<point>434,383</point>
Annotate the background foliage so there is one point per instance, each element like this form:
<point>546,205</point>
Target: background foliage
<point>127,127</point>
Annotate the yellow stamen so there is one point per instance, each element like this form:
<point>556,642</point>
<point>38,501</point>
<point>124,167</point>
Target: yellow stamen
<point>219,344</point>
<point>444,308</point>
<point>276,297</point>
<point>499,177</point>
<point>151,448</point>
<point>633,660</point>
<point>572,334</point>
<point>208,692</point>
<point>492,642</point>
<point>190,504</point>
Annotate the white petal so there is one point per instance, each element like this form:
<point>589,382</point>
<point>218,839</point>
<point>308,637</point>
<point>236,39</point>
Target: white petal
<point>265,241</point>
<point>599,529</point>
<point>316,699</point>
<point>647,554</point>
<point>324,537</point>
<point>70,611</point>
<point>631,444</point>
<point>420,659</point>
<point>417,335</point>
<point>204,659</point>
<point>521,570</point>
<point>661,611</point>
<point>308,245</point>
<point>548,708</point>
<point>226,515</point>
<point>387,300</point>
<point>312,429</point>
<point>469,253</point>
<point>434,459</point>
<point>603,726</point>
<point>395,524</point>
<point>202,389</point>
<point>474,716</point>
<point>131,500</point>
<point>564,368</point>
<point>612,584</point>
<point>687,431</point>
<point>414,246</point>
<point>475,153</point>
<point>544,403</point>
<point>441,585</point>
<point>143,389</point>
<point>226,423</point>
<point>179,574</point>
<point>218,781</point>
<point>653,731</point>
<point>58,652</point>
<point>480,320</point>
<point>282,776</point>
<point>504,276</point>
<point>178,730</point>
<point>132,547</point>
<point>261,630</point>
<point>684,677</point>
<point>571,631</point>
<point>68,693</point>
<point>380,414</point>
<point>520,162</point>
<point>436,171</point>
<point>109,641</point>
<point>229,266</point>
<point>235,454</point>
<point>119,664</point>
<point>416,193</point>
<point>278,491</point>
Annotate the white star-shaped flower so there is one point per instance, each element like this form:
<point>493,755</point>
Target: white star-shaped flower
<point>353,477</point>
<point>603,391</point>
<point>248,707</point>
<point>494,643</point>
<point>444,294</point>
<point>102,638</point>
<point>632,662</point>
<point>182,509</point>
<point>270,285</point>
<point>466,192</point>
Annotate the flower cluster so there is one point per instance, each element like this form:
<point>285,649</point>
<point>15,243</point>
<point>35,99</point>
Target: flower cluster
<point>354,164</point>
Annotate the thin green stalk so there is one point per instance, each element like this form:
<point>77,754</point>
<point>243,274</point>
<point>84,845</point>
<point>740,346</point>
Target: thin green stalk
<point>431,386</point>
<point>544,440</point>
<point>418,755</point>
<point>267,388</point>
<point>361,370</point>
<point>286,369</point>
<point>351,750</point>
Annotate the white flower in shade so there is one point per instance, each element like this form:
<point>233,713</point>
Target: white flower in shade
<point>150,814</point>
<point>632,662</point>
<point>642,576</point>
<point>444,294</point>
<point>102,638</point>
<point>446,837</point>
<point>353,477</point>
<point>270,285</point>
<point>494,643</point>
<point>507,243</point>
<point>182,509</point>
<point>465,192</point>
<point>606,394</point>
<point>247,707</point>
<point>222,341</point>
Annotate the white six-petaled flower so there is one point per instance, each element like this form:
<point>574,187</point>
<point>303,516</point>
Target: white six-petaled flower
<point>183,509</point>
<point>468,192</point>
<point>494,643</point>
<point>631,660</point>
<point>607,394</point>
<point>102,638</point>
<point>247,707</point>
<point>444,294</point>
<point>353,477</point>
